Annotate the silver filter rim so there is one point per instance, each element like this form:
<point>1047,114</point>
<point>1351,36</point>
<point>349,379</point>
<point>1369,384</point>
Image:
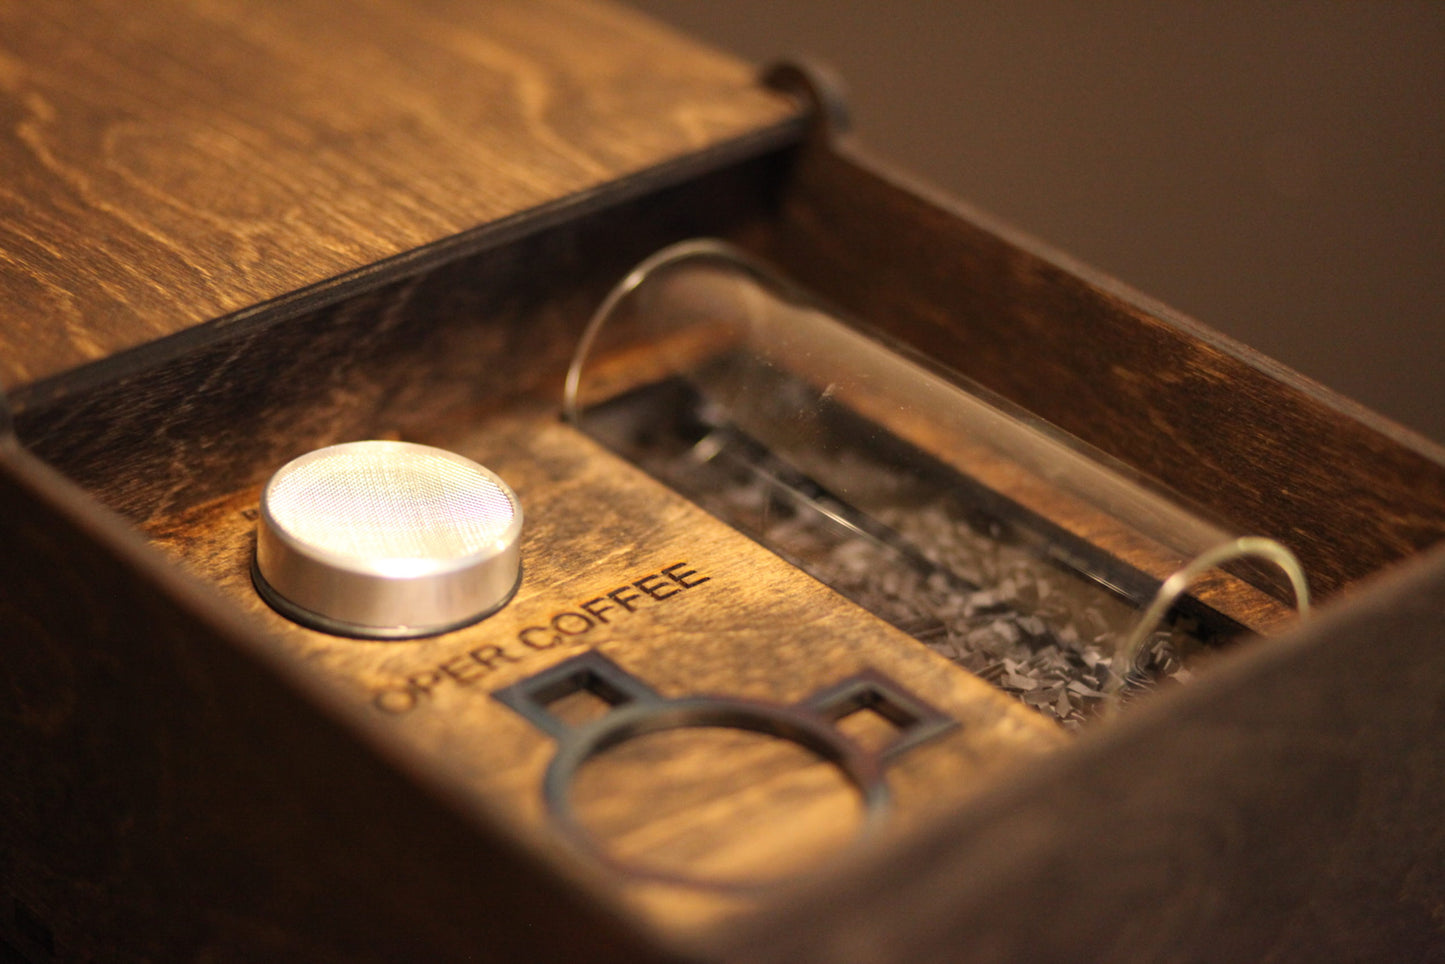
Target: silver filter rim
<point>387,540</point>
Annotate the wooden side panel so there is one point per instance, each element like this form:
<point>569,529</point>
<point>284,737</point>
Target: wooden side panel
<point>1285,809</point>
<point>1229,430</point>
<point>166,796</point>
<point>171,163</point>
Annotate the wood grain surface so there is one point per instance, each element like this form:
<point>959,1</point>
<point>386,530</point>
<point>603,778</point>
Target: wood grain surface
<point>1254,444</point>
<point>477,330</point>
<point>236,230</point>
<point>174,791</point>
<point>167,164</point>
<point>709,805</point>
<point>1285,809</point>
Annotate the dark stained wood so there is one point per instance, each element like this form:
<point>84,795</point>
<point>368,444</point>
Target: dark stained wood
<point>1252,443</point>
<point>173,792</point>
<point>171,163</point>
<point>476,331</point>
<point>238,230</point>
<point>757,628</point>
<point>401,356</point>
<point>1286,809</point>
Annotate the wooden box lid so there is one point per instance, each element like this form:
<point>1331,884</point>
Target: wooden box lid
<point>171,164</point>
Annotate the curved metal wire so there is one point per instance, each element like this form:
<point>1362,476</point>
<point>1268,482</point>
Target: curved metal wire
<point>1129,651</point>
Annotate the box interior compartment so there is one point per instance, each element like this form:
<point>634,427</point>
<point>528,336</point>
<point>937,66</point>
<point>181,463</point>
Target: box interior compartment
<point>470,355</point>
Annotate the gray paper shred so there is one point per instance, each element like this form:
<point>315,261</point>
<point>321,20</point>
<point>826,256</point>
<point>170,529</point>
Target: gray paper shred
<point>971,587</point>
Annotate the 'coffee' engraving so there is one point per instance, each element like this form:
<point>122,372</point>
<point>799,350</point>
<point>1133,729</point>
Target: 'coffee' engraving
<point>654,587</point>
<point>476,664</point>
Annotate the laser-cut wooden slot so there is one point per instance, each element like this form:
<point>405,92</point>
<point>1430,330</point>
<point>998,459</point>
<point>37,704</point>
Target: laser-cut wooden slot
<point>868,692</point>
<point>591,673</point>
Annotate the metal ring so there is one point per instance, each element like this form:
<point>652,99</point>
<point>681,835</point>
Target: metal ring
<point>1128,654</point>
<point>795,725</point>
<point>338,627</point>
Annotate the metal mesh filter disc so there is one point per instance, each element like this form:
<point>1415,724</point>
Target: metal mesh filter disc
<point>390,500</point>
<point>387,540</point>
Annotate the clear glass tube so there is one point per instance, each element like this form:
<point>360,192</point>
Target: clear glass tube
<point>917,493</point>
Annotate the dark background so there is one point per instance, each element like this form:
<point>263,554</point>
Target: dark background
<point>1273,169</point>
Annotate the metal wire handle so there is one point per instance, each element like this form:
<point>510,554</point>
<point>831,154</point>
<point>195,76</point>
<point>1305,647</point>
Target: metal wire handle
<point>1177,584</point>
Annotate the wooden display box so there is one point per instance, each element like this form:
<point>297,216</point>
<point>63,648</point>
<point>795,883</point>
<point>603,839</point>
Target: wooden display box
<point>243,233</point>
